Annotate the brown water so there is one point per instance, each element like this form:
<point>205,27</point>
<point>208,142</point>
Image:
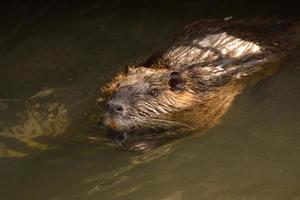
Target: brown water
<point>54,60</point>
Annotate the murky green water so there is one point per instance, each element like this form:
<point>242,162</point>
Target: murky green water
<point>54,60</point>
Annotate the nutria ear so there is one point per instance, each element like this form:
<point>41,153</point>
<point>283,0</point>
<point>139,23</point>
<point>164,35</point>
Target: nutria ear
<point>176,82</point>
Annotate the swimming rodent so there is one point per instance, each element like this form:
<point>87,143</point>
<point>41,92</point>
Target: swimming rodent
<point>191,83</point>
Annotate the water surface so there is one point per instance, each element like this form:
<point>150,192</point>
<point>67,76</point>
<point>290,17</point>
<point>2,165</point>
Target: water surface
<point>54,60</point>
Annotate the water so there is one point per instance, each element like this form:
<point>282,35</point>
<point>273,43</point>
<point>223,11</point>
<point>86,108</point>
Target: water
<point>54,60</point>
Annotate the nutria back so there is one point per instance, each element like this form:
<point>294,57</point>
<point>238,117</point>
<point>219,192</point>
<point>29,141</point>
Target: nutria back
<point>191,83</point>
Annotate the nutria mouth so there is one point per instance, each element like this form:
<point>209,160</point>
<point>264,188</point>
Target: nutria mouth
<point>192,83</point>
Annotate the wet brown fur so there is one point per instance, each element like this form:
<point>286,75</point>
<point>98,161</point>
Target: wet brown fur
<point>205,100</point>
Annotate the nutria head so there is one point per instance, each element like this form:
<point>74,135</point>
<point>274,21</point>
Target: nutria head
<point>145,98</point>
<point>153,105</point>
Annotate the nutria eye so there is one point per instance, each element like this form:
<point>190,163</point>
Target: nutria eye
<point>153,92</point>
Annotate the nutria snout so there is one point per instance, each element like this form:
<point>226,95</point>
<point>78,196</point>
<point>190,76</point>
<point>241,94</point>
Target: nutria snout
<point>190,84</point>
<point>115,107</point>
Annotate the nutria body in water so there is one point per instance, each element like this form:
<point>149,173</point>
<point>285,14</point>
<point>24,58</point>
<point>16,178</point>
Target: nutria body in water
<point>190,84</point>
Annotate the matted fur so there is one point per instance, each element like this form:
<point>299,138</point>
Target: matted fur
<point>215,60</point>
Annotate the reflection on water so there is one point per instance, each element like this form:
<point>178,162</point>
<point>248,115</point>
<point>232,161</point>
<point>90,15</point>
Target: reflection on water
<point>51,147</point>
<point>107,181</point>
<point>48,118</point>
<point>6,152</point>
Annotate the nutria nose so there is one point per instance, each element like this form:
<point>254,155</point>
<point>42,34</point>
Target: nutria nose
<point>115,107</point>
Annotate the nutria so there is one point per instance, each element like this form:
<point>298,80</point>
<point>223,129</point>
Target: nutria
<point>192,82</point>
